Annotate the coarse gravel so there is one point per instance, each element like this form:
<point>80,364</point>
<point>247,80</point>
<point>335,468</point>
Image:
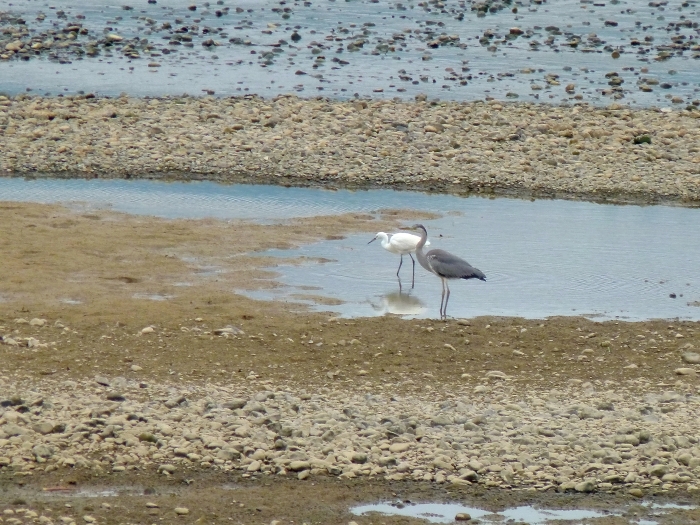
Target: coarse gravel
<point>616,153</point>
<point>576,438</point>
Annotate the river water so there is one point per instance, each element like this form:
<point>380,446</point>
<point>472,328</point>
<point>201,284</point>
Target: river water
<point>369,48</point>
<point>541,258</point>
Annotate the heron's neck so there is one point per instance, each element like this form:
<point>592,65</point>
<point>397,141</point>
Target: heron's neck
<point>420,254</point>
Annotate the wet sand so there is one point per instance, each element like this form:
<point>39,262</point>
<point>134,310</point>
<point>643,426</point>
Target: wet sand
<point>81,334</point>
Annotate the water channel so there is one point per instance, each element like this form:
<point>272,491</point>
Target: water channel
<point>541,258</point>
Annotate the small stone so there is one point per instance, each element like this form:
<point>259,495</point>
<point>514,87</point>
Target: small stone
<point>44,427</point>
<point>585,486</point>
<point>658,471</point>
<point>169,469</point>
<point>397,448</point>
<point>692,358</point>
<point>235,403</point>
<point>101,380</point>
<point>37,322</point>
<point>685,371</point>
<point>148,330</point>
<point>182,511</point>
<point>296,466</point>
<point>462,516</point>
<point>637,493</point>
<point>359,457</point>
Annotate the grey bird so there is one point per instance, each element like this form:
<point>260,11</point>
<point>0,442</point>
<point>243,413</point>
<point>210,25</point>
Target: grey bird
<point>445,266</point>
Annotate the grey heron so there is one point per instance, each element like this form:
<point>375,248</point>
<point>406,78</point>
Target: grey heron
<point>402,244</point>
<point>445,266</point>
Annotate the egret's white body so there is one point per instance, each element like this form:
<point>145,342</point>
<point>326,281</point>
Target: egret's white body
<point>401,244</point>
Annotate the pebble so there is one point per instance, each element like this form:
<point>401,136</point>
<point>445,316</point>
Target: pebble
<point>516,439</point>
<point>579,151</point>
<point>182,511</point>
<point>692,358</point>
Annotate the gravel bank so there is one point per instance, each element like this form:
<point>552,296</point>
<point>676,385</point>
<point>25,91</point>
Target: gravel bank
<point>576,438</point>
<point>614,153</point>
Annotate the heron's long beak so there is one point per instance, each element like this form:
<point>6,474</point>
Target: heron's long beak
<point>372,240</point>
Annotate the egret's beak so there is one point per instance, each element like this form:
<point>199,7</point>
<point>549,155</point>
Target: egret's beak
<point>372,240</point>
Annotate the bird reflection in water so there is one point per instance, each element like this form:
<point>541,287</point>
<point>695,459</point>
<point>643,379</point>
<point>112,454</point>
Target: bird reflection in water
<point>398,303</point>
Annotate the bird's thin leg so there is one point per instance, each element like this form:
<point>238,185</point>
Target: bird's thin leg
<point>413,279</point>
<point>444,311</point>
<point>400,263</point>
<point>442,298</point>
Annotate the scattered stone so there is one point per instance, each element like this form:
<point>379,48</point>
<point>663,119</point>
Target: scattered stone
<point>692,358</point>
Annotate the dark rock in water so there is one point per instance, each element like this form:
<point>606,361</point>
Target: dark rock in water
<point>295,37</point>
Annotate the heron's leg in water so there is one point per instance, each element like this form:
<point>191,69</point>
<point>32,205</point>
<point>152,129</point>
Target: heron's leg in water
<point>442,298</point>
<point>444,310</point>
<point>400,263</point>
<point>413,279</point>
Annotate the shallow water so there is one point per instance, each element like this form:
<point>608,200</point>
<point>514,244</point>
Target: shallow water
<point>541,258</point>
<point>466,69</point>
<point>446,512</point>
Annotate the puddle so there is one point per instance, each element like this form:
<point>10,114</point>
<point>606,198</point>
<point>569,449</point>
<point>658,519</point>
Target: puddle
<point>152,296</point>
<point>541,258</point>
<point>71,301</point>
<point>446,513</point>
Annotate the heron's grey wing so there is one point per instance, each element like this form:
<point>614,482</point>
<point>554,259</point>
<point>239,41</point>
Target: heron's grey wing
<point>452,267</point>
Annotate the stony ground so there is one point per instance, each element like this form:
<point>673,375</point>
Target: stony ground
<point>614,153</point>
<point>215,407</point>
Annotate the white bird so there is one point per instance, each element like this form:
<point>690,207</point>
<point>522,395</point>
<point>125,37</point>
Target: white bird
<point>401,243</point>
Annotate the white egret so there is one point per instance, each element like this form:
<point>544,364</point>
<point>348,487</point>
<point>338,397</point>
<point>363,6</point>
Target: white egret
<point>401,243</point>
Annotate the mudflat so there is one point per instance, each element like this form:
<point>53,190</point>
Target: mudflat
<point>137,386</point>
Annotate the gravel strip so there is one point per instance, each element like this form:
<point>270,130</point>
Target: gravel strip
<point>617,153</point>
<point>576,438</point>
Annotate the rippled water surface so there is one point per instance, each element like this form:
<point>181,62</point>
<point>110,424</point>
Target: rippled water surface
<point>541,258</point>
<point>378,48</point>
<point>445,513</point>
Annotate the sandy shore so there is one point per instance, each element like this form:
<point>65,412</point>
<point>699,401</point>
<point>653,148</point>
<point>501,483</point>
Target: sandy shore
<point>616,153</point>
<point>183,396</point>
